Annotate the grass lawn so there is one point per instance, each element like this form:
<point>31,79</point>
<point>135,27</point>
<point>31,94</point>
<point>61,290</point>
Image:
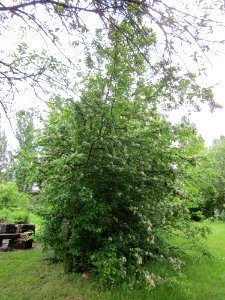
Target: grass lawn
<point>25,275</point>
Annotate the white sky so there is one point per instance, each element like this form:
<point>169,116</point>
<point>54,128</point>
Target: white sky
<point>210,125</point>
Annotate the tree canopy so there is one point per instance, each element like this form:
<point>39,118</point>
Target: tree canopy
<point>177,27</point>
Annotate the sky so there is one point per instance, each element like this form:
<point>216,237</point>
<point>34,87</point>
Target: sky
<point>209,125</point>
<point>212,125</point>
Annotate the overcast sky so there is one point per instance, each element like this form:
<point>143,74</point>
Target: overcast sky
<point>211,125</point>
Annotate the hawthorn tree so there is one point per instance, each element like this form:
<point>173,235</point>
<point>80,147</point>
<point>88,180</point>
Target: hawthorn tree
<point>111,168</point>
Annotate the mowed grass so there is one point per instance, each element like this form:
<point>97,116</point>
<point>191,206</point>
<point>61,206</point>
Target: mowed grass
<point>201,278</point>
<point>207,278</point>
<point>26,275</point>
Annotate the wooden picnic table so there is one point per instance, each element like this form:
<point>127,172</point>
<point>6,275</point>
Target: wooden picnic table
<point>18,235</point>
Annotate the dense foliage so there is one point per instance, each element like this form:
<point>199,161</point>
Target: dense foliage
<point>217,164</point>
<point>213,179</point>
<point>13,204</point>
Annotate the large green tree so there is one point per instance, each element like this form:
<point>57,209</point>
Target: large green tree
<point>111,167</point>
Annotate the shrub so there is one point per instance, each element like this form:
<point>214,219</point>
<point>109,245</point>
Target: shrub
<point>14,216</point>
<point>197,216</point>
<point>20,217</point>
<point>11,198</point>
<point>5,215</point>
<point>222,216</point>
<point>13,204</point>
<point>110,204</point>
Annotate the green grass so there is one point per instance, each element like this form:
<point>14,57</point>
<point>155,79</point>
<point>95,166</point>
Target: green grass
<point>207,278</point>
<point>26,275</point>
<point>34,219</point>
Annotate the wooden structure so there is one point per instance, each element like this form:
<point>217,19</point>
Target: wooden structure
<point>17,235</point>
<point>8,236</point>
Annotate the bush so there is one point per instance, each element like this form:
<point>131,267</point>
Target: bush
<point>111,214</point>
<point>222,216</point>
<point>13,204</point>
<point>14,216</point>
<point>11,198</point>
<point>5,215</point>
<point>197,216</point>
<point>20,217</point>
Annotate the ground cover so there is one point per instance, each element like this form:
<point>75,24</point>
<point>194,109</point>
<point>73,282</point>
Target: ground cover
<point>26,275</point>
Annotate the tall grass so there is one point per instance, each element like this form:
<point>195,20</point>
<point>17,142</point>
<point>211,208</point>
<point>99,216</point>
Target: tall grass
<point>26,275</point>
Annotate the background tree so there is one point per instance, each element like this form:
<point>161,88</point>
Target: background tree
<point>25,134</point>
<point>215,165</point>
<point>5,156</point>
<point>194,149</point>
<point>3,153</point>
<point>204,183</point>
<point>200,178</point>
